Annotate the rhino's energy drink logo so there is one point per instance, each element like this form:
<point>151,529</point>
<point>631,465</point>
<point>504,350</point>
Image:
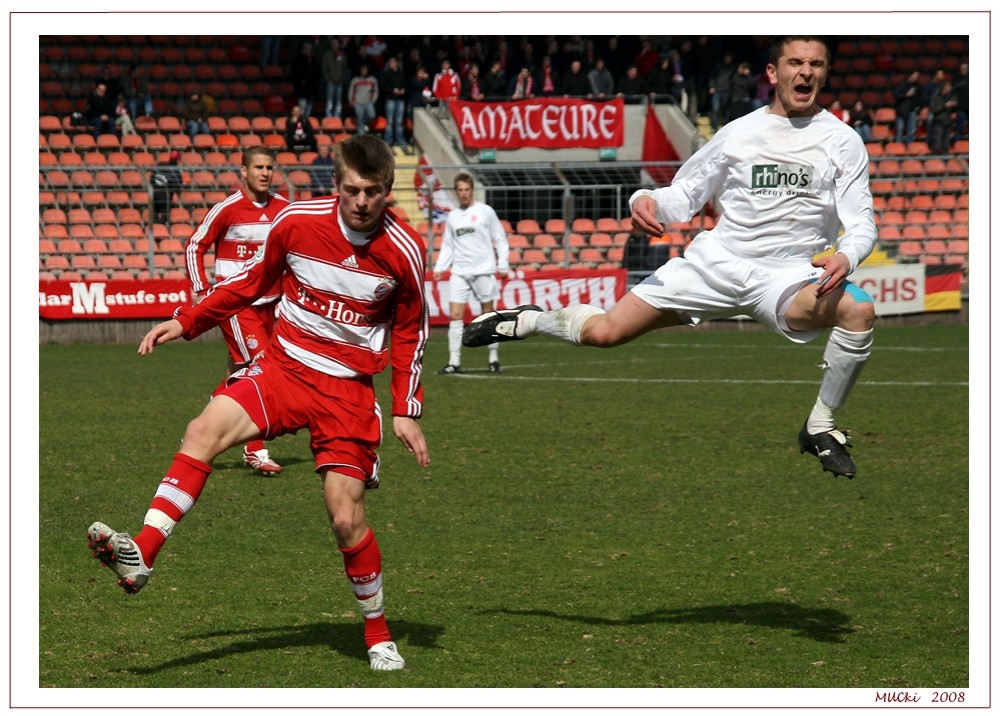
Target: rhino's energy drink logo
<point>780,178</point>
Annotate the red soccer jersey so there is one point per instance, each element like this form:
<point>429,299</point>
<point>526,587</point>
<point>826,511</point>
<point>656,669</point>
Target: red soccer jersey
<point>346,298</point>
<point>234,228</point>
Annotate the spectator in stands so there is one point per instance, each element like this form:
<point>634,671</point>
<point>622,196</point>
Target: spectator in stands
<point>862,118</point>
<point>270,50</point>
<point>420,89</point>
<point>960,88</point>
<point>742,91</point>
<point>764,90</point>
<point>838,111</point>
<point>100,112</point>
<point>447,84</point>
<point>374,52</point>
<point>306,77</point>
<point>522,86</point>
<point>473,89</point>
<point>907,96</point>
<point>135,85</point>
<point>474,248</point>
<point>575,82</point>
<point>495,83</point>
<point>547,78</point>
<point>943,110</point>
<point>235,230</point>
<point>322,171</point>
<point>720,85</point>
<point>631,86</point>
<point>335,76</point>
<point>362,94</point>
<point>395,89</point>
<point>765,257</point>
<point>195,115</point>
<point>666,79</point>
<point>931,89</point>
<point>167,180</point>
<point>602,82</point>
<point>123,120</point>
<point>299,132</point>
<point>647,58</point>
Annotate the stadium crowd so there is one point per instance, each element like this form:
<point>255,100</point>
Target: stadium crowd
<point>366,79</point>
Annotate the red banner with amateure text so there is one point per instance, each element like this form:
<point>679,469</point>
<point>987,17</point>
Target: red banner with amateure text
<point>550,123</point>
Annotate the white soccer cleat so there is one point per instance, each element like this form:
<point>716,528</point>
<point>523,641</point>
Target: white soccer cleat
<point>117,551</point>
<point>385,657</point>
<point>260,460</point>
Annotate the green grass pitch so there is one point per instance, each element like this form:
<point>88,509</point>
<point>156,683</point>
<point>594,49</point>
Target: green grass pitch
<point>636,517</point>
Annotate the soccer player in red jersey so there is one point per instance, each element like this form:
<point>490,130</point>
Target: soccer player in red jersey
<point>234,229</point>
<point>352,303</point>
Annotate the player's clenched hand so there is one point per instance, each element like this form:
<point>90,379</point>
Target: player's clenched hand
<point>835,270</point>
<point>160,333</point>
<point>409,433</point>
<point>644,216</point>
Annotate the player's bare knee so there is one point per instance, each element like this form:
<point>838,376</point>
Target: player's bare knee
<point>856,316</point>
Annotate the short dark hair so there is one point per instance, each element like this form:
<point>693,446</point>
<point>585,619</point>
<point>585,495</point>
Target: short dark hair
<point>369,156</point>
<point>464,177</point>
<point>778,46</point>
<point>250,152</point>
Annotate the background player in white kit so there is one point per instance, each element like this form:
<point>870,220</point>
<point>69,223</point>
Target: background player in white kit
<point>475,248</point>
<point>791,174</point>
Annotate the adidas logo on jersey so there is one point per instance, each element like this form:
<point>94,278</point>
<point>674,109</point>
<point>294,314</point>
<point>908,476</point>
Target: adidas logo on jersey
<point>350,262</point>
<point>263,217</point>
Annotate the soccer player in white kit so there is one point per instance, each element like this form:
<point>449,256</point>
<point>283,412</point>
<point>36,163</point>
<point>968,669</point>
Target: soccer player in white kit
<point>475,248</point>
<point>790,175</point>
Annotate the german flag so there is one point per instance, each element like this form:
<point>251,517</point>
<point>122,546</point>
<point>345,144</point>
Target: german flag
<point>942,288</point>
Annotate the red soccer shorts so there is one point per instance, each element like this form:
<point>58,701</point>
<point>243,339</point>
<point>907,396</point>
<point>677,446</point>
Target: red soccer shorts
<point>248,332</point>
<point>342,415</point>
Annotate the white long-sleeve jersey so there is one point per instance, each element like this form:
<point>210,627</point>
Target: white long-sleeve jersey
<point>788,185</point>
<point>474,242</point>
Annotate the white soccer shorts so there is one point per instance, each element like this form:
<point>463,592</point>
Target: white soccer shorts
<point>710,282</point>
<point>483,287</point>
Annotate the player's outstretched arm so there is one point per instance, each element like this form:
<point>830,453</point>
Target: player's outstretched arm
<point>159,334</point>
<point>409,433</point>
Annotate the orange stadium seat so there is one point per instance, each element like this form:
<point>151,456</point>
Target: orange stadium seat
<point>54,215</point>
<point>78,215</point>
<point>518,241</point>
<point>554,226</point>
<point>545,241</point>
<point>528,227</point>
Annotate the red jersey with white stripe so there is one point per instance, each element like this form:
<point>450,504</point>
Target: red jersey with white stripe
<point>234,228</point>
<point>345,298</point>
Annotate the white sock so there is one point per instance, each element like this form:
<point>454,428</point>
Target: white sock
<point>845,355</point>
<point>494,352</point>
<point>820,419</point>
<point>566,324</point>
<point>455,342</point>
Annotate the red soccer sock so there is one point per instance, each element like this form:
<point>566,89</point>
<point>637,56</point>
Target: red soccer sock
<point>255,445</point>
<point>174,498</point>
<point>363,565</point>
